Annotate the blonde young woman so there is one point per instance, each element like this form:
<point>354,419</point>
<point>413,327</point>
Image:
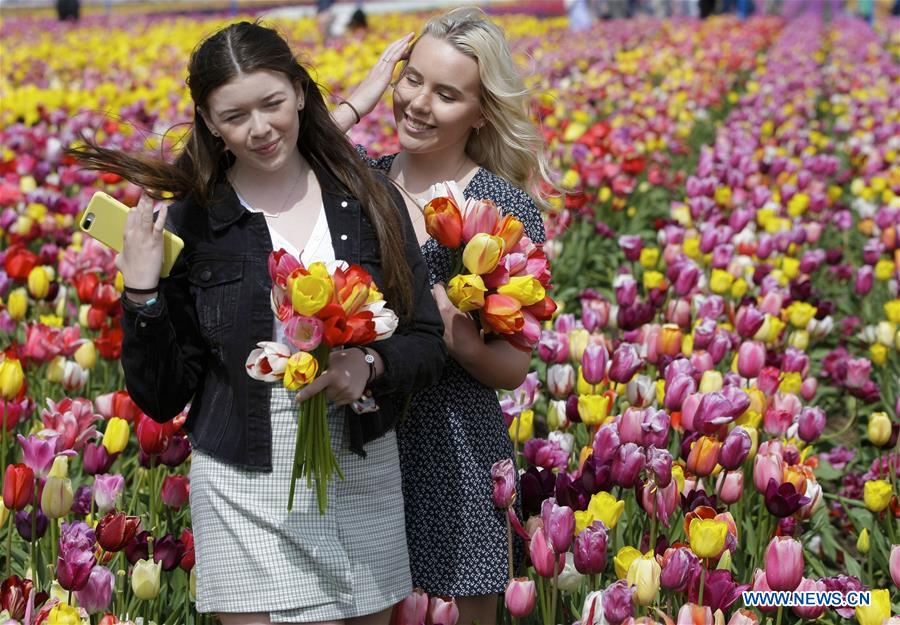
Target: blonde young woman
<point>461,111</point>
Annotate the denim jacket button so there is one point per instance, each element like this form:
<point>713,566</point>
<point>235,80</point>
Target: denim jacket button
<point>344,204</point>
<point>343,237</point>
<point>206,275</point>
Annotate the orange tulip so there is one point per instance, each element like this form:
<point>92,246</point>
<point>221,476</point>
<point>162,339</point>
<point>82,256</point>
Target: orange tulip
<point>443,222</point>
<point>703,455</point>
<point>502,314</point>
<point>510,230</point>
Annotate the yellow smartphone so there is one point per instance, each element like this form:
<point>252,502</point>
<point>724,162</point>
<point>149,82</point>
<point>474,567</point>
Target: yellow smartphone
<point>104,219</point>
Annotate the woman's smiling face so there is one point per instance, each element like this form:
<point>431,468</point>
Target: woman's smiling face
<point>437,99</point>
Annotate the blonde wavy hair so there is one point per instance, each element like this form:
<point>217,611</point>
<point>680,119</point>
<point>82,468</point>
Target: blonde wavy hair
<point>510,144</point>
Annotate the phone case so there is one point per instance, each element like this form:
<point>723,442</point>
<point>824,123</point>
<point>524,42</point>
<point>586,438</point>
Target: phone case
<point>104,219</point>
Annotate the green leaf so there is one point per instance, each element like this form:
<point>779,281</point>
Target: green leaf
<point>826,472</point>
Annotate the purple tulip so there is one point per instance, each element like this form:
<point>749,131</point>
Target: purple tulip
<point>627,465</point>
<point>811,423</point>
<point>503,473</point>
<point>553,347</point>
<point>631,246</point>
<point>593,363</point>
<point>96,459</point>
<point>138,548</point>
<point>865,278</point>
<point>625,363</point>
<point>843,584</point>
<point>751,358</point>
<point>783,500</point>
<point>713,411</point>
<point>565,323</point>
<point>680,387</point>
<point>168,551</point>
<point>617,602</point>
<point>76,536</point>
<point>625,287</point>
<point>735,449</point>
<point>711,308</point>
<point>74,569</point>
<point>177,452</point>
<point>106,489</point>
<point>23,524</point>
<point>607,442</point>
<point>720,591</point>
<point>536,484</point>
<point>656,428</point>
<point>678,567</point>
<point>559,524</point>
<point>595,476</point>
<point>38,453</point>
<point>572,493</point>
<point>659,461</point>
<point>546,454</point>
<point>594,313</point>
<point>687,279</point>
<point>590,549</point>
<point>97,593</point>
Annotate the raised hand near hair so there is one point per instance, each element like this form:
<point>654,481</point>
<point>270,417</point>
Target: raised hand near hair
<point>142,252</point>
<point>373,86</point>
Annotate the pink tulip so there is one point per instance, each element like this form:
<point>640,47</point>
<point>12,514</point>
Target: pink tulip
<point>480,216</point>
<point>751,358</point>
<point>593,363</point>
<point>503,473</point>
<point>894,563</point>
<point>784,563</point>
<point>730,486</point>
<point>766,467</point>
<point>542,556</point>
<point>442,611</point>
<point>810,612</point>
<point>559,525</point>
<point>520,596</point>
<point>412,610</point>
<point>693,614</point>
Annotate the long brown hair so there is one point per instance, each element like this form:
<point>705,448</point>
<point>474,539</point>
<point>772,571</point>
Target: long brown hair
<point>243,48</point>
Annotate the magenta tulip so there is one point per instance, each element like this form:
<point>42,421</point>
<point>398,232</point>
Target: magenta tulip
<point>590,549</point>
<point>751,358</point>
<point>503,473</point>
<point>593,363</point>
<point>97,593</point>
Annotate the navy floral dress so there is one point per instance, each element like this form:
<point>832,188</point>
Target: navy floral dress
<point>452,435</point>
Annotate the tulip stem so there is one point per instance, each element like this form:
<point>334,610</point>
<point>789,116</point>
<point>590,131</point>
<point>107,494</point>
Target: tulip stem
<point>33,550</point>
<point>555,592</point>
<point>778,618</point>
<point>702,582</point>
<point>509,545</point>
<point>3,437</point>
<point>653,527</point>
<point>9,531</point>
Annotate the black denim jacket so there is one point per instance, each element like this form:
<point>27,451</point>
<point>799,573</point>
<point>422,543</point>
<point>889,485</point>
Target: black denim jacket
<point>212,310</point>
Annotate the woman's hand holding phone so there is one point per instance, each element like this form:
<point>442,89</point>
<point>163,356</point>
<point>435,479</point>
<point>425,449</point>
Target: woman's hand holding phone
<point>142,252</point>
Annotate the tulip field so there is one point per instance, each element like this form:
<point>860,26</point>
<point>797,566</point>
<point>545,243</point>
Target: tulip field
<point>713,409</point>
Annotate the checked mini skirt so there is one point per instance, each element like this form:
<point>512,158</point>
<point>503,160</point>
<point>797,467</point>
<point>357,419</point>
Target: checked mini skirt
<point>254,556</point>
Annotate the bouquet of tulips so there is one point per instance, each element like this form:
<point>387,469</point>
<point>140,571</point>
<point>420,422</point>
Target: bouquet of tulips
<point>322,307</point>
<point>497,270</point>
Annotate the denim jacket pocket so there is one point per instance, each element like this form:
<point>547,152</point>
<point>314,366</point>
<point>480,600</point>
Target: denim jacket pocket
<point>216,283</point>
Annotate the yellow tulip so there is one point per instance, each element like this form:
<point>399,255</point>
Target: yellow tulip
<point>877,495</point>
<point>63,614</point>
<point>4,514</point>
<point>593,409</point>
<point>17,305</point>
<point>892,310</point>
<point>884,269</point>
<point>649,257</point>
<point>678,477</point>
<point>643,573</point>
<point>652,280</point>
<point>879,428</point>
<point>466,291</point>
<point>707,537</point>
<point>878,610</point>
<point>720,281</point>
<point>578,340</point>
<point>711,381</point>
<point>57,497</point>
<point>300,370</point>
<point>38,282</point>
<point>145,579</point>
<point>522,427</point>
<point>309,294</point>
<point>606,508</point>
<point>56,369</point>
<point>482,253</point>
<point>86,355</point>
<point>623,560</point>
<point>791,382</point>
<point>799,313</point>
<point>12,377</point>
<point>60,467</point>
<point>115,438</point>
<point>878,353</point>
<point>862,543</point>
<point>526,289</point>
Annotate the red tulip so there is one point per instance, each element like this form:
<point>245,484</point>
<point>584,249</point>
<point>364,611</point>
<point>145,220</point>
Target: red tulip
<point>154,437</point>
<point>175,491</point>
<point>18,486</point>
<point>115,530</point>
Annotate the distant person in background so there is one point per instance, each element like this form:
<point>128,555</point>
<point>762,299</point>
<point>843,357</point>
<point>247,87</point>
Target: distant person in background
<point>325,18</point>
<point>358,24</point>
<point>581,15</point>
<point>68,10</point>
